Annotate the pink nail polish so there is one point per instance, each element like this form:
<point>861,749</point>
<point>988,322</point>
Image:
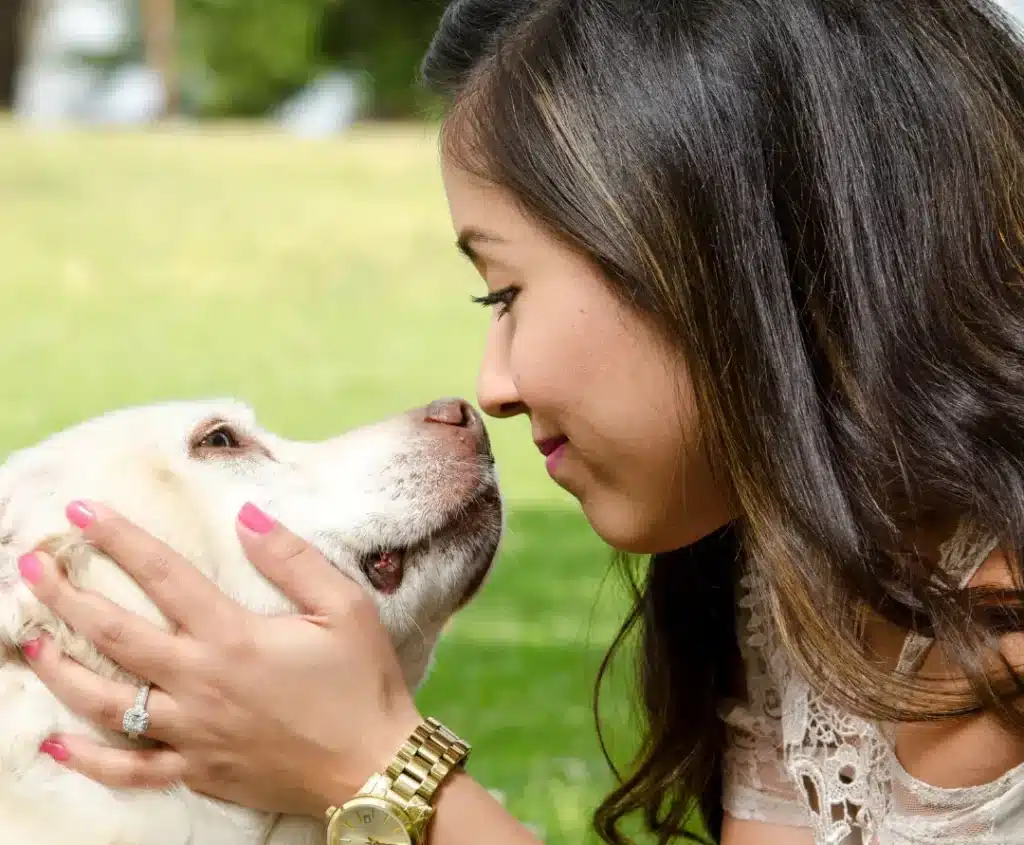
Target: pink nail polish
<point>30,567</point>
<point>79,514</point>
<point>31,648</point>
<point>57,751</point>
<point>255,520</point>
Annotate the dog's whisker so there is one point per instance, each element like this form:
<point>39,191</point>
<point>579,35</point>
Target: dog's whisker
<point>419,629</point>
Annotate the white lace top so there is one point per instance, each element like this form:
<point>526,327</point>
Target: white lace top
<point>795,759</point>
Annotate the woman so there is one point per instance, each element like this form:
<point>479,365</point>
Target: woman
<point>757,279</point>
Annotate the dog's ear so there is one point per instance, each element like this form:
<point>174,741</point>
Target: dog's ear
<point>22,616</point>
<point>12,591</point>
<point>12,599</point>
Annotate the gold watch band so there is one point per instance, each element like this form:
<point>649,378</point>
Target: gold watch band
<point>425,759</point>
<point>422,763</point>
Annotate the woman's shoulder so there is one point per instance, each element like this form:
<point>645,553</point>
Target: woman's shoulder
<point>975,749</point>
<point>924,778</point>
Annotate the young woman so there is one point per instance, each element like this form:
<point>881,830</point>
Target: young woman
<point>758,279</point>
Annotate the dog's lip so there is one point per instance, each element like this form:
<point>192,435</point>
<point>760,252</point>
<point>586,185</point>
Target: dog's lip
<point>384,569</point>
<point>463,520</point>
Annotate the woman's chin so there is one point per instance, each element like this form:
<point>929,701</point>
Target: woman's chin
<point>628,527</point>
<point>622,527</point>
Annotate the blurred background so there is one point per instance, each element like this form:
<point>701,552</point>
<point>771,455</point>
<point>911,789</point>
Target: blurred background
<point>239,198</point>
<point>229,197</point>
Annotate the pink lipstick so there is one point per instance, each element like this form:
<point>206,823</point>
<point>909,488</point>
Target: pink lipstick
<point>552,449</point>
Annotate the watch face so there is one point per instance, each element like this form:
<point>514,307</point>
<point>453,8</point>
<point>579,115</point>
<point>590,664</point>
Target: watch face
<point>368,824</point>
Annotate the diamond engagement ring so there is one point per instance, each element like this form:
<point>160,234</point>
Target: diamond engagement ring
<point>136,719</point>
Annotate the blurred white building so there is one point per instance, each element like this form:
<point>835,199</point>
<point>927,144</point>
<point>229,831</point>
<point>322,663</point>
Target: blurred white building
<point>67,75</point>
<point>85,62</point>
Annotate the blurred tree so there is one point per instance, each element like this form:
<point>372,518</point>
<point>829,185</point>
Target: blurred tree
<point>160,41</point>
<point>12,31</point>
<point>245,57</point>
<point>386,40</point>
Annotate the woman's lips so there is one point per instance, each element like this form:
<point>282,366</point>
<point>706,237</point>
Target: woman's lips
<point>552,449</point>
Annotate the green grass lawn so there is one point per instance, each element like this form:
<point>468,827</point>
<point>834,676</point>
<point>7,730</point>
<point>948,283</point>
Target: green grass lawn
<point>318,281</point>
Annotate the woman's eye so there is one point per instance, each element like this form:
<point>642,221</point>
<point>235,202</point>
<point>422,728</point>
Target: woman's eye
<point>501,299</point>
<point>220,438</point>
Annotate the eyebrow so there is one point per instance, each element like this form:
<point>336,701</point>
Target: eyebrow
<point>470,234</point>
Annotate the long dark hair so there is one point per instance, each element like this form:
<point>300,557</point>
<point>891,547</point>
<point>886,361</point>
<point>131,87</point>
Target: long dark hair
<point>821,202</point>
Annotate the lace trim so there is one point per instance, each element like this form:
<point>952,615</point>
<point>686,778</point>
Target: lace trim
<point>795,758</point>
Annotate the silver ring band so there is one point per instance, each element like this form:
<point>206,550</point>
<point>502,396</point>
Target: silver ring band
<point>136,718</point>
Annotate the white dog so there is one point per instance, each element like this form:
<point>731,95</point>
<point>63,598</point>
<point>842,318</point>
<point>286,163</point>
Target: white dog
<point>408,507</point>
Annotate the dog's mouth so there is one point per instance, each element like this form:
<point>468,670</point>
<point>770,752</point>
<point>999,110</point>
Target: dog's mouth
<point>384,569</point>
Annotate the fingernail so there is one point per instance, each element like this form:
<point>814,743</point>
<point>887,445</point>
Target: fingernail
<point>79,514</point>
<point>31,648</point>
<point>57,751</point>
<point>254,519</point>
<point>30,567</point>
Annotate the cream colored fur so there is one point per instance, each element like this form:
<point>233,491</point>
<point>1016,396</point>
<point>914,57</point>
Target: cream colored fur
<point>398,483</point>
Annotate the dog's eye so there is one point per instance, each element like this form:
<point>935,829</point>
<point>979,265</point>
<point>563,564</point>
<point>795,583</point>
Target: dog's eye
<point>218,439</point>
<point>222,437</point>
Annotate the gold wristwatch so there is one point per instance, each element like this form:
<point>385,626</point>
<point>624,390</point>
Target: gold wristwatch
<point>394,807</point>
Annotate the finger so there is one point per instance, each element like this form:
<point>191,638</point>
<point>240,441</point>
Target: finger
<point>100,700</point>
<point>180,590</point>
<point>124,637</point>
<point>144,768</point>
<point>296,567</point>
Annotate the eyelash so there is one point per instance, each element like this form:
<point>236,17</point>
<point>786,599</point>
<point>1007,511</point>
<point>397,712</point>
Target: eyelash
<point>502,298</point>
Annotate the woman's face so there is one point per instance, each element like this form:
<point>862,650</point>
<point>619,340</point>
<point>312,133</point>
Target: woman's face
<point>608,400</point>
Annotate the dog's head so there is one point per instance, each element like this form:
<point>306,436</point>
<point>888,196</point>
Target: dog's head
<point>408,507</point>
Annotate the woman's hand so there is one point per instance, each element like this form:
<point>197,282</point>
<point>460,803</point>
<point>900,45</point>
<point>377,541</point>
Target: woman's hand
<point>287,713</point>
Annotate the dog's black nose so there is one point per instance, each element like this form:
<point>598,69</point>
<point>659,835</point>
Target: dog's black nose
<point>456,412</point>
